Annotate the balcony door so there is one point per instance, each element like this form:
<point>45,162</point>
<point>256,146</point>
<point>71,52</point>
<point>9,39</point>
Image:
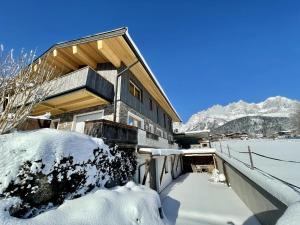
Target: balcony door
<point>80,119</point>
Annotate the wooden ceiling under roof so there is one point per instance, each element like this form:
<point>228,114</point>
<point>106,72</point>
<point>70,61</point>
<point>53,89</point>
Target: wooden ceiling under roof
<point>73,55</point>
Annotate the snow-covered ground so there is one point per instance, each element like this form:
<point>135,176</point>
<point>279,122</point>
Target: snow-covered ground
<point>286,149</point>
<point>193,200</point>
<point>127,205</point>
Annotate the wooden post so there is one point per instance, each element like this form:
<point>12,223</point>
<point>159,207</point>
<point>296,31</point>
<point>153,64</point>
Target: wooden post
<point>228,151</point>
<point>225,173</point>
<point>221,147</point>
<point>147,167</point>
<point>251,160</point>
<point>162,170</point>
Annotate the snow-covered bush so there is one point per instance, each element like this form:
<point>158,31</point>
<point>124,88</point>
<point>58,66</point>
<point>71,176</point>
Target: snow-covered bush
<point>47,166</point>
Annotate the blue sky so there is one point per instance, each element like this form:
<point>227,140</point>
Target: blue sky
<point>203,52</point>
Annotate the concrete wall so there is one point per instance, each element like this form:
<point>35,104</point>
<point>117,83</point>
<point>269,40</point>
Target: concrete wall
<point>148,142</point>
<point>167,177</point>
<point>265,206</point>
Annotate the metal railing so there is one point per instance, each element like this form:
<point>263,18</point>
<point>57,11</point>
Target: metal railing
<point>228,151</point>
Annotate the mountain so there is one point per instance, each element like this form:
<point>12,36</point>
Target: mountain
<point>216,118</point>
<point>264,125</point>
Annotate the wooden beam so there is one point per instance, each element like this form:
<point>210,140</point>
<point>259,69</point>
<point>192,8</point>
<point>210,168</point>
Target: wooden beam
<point>83,56</point>
<point>59,56</point>
<point>172,166</point>
<point>52,107</point>
<point>69,103</point>
<point>147,167</point>
<point>108,53</point>
<point>162,170</point>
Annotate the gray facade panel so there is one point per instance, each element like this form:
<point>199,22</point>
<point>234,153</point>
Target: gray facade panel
<point>143,107</point>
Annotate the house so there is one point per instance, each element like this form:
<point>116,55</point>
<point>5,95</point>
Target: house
<point>104,76</point>
<point>106,89</point>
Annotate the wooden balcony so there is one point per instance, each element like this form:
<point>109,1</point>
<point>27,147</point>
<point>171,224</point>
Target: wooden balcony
<point>80,89</point>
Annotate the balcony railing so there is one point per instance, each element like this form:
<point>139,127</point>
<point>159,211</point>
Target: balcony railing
<point>83,78</point>
<point>112,132</point>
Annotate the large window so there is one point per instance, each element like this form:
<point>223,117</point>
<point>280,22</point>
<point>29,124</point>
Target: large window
<point>135,90</point>
<point>150,104</point>
<point>136,121</point>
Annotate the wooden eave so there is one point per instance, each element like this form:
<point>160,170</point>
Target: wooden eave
<point>114,47</point>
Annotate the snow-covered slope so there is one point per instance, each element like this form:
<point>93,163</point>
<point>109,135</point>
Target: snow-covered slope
<point>218,115</point>
<point>129,204</point>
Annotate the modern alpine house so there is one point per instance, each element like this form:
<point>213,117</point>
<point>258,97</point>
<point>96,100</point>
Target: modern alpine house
<point>105,79</point>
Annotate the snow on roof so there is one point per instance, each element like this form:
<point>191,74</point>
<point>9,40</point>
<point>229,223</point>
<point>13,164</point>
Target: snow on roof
<point>129,204</point>
<point>166,152</point>
<point>197,131</point>
<point>46,116</point>
<point>199,151</point>
<point>276,188</point>
<point>160,152</point>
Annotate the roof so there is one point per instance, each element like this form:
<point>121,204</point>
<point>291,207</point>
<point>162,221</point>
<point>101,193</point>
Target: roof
<point>123,32</point>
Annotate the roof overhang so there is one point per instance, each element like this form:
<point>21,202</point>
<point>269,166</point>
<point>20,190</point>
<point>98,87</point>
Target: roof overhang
<point>114,46</point>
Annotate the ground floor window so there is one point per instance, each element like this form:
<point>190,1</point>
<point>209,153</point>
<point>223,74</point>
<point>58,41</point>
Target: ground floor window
<point>151,130</point>
<point>54,123</point>
<point>134,120</point>
<point>80,119</point>
<point>159,132</point>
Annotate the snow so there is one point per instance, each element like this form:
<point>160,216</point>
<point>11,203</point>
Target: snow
<point>287,149</point>
<point>204,203</point>
<point>278,189</point>
<point>198,150</point>
<point>48,145</point>
<point>291,216</point>
<point>160,152</point>
<point>218,115</point>
<point>166,152</point>
<point>127,205</point>
<point>46,116</point>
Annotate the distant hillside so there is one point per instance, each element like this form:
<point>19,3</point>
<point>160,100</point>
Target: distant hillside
<point>268,116</point>
<point>255,125</point>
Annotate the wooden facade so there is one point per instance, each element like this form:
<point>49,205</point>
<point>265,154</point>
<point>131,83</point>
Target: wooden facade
<point>117,48</point>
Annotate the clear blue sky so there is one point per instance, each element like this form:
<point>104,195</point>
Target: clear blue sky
<point>203,52</point>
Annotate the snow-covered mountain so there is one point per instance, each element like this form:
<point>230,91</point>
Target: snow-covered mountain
<point>219,115</point>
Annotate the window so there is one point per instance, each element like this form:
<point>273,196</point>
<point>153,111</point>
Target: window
<point>150,104</point>
<point>159,132</point>
<point>151,130</point>
<point>165,122</point>
<point>54,123</point>
<point>134,120</point>
<point>80,119</point>
<point>135,91</point>
<point>157,114</point>
<point>170,124</point>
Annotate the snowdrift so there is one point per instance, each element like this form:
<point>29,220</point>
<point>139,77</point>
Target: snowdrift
<point>47,166</point>
<point>127,205</point>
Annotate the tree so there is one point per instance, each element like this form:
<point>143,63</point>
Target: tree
<point>24,82</point>
<point>296,118</point>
